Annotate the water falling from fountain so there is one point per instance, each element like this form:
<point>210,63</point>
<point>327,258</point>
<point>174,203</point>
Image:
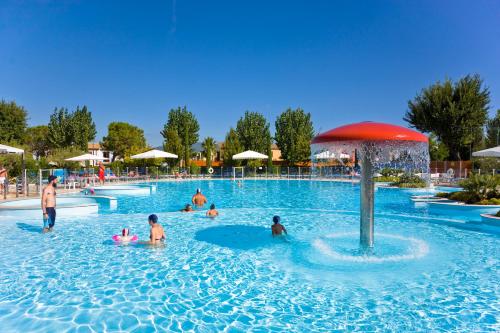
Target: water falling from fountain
<point>377,146</point>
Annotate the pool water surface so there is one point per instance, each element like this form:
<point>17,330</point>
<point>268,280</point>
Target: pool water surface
<point>428,272</point>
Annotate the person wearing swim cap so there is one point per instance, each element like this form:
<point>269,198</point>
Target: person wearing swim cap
<point>49,204</point>
<point>277,228</point>
<point>125,236</point>
<point>212,212</point>
<point>199,199</point>
<point>156,234</point>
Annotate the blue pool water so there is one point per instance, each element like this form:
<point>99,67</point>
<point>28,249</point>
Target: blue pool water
<point>429,272</point>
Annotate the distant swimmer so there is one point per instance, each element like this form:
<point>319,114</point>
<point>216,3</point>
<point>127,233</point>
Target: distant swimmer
<point>277,228</point>
<point>156,234</point>
<point>187,209</point>
<point>212,212</point>
<point>199,199</point>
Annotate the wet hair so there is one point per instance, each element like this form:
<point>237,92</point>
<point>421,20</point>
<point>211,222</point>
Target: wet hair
<point>153,218</point>
<point>212,206</point>
<point>276,219</point>
<point>51,178</point>
<point>198,190</point>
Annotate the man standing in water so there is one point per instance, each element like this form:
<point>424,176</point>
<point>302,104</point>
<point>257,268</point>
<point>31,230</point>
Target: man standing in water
<point>49,204</point>
<point>199,199</point>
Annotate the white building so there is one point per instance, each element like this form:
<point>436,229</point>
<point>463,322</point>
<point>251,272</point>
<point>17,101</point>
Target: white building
<point>96,150</point>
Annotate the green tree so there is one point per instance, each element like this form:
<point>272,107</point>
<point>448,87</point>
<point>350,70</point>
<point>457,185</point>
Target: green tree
<point>454,112</point>
<point>60,128</point>
<point>173,144</point>
<point>209,149</point>
<point>83,128</point>
<point>437,150</point>
<point>68,129</point>
<point>14,164</point>
<point>493,131</point>
<point>37,139</point>
<point>232,146</point>
<point>185,124</point>
<point>12,122</point>
<point>59,156</point>
<point>123,140</point>
<point>253,132</point>
<point>294,132</point>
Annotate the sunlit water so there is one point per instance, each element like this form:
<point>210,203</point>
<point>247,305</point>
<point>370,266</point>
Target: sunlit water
<point>427,272</point>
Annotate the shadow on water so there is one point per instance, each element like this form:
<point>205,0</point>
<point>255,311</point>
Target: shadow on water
<point>242,237</point>
<point>29,227</point>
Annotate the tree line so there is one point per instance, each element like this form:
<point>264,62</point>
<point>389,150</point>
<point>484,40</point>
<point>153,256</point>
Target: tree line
<point>453,114</point>
<point>252,132</point>
<point>68,133</point>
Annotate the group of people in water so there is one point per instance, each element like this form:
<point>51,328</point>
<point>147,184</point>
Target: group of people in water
<point>156,234</point>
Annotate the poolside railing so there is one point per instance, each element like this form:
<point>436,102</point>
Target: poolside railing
<point>75,179</point>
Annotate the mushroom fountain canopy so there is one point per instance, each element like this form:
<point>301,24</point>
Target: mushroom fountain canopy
<point>384,145</point>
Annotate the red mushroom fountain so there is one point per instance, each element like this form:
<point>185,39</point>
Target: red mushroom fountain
<point>378,145</point>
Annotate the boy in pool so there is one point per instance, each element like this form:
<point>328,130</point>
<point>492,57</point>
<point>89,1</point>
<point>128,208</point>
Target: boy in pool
<point>187,209</point>
<point>277,228</point>
<point>212,212</point>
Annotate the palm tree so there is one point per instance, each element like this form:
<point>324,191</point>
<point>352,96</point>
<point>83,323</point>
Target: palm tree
<point>208,146</point>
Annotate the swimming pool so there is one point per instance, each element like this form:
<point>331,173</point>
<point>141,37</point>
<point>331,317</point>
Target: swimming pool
<point>429,272</point>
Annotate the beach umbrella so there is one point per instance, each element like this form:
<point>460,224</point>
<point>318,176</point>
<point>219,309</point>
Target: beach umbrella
<point>490,152</point>
<point>155,153</point>
<point>4,149</point>
<point>250,155</point>
<point>85,157</point>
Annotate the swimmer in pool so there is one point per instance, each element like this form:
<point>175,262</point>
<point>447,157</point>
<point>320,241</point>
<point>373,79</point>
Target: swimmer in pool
<point>187,209</point>
<point>156,234</point>
<point>212,212</point>
<point>125,236</point>
<point>199,199</point>
<point>277,228</point>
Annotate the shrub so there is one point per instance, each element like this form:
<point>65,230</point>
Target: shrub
<point>443,195</point>
<point>408,180</point>
<point>390,172</point>
<point>483,186</point>
<point>494,201</point>
<point>463,196</point>
<point>387,179</point>
<point>194,169</point>
<point>498,214</point>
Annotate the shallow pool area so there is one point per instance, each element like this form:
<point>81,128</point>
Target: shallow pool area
<point>429,271</point>
<point>66,206</point>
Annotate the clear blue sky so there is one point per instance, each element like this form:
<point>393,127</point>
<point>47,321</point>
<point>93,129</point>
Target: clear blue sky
<point>342,61</point>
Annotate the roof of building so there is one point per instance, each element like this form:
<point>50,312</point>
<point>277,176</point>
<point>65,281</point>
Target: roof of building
<point>93,146</point>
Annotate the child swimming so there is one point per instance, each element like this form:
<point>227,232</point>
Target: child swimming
<point>125,236</point>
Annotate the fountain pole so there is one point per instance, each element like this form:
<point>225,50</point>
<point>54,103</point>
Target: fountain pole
<point>367,190</point>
